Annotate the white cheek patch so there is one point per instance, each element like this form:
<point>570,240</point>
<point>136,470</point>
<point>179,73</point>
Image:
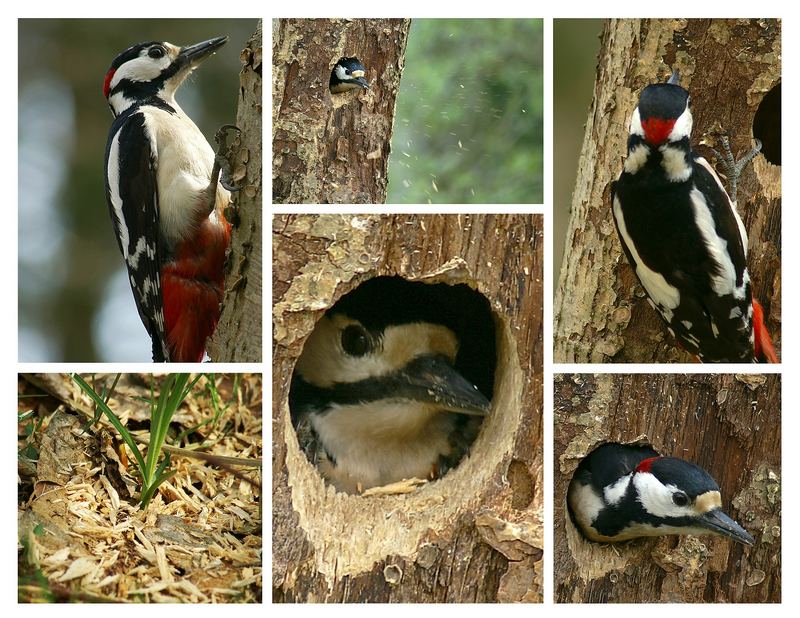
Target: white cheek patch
<point>324,362</point>
<point>341,72</point>
<point>656,498</point>
<point>682,127</point>
<point>724,282</point>
<point>141,69</point>
<point>666,296</point>
<point>636,124</point>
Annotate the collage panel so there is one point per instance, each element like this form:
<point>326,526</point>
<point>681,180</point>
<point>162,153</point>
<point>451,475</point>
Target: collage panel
<point>667,488</point>
<point>139,488</point>
<point>407,410</point>
<point>408,111</point>
<point>671,241</point>
<point>410,371</point>
<point>140,229</point>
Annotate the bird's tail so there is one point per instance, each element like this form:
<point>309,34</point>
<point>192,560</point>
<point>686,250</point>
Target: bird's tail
<point>764,350</point>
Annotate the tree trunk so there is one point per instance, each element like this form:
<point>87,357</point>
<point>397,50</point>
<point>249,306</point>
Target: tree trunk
<point>727,424</point>
<point>729,66</point>
<point>238,334</point>
<point>333,149</point>
<point>476,534</point>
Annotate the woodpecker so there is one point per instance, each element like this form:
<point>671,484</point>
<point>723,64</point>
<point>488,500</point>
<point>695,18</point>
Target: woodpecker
<point>621,492</point>
<point>348,74</point>
<point>382,394</point>
<point>683,235</point>
<point>166,199</point>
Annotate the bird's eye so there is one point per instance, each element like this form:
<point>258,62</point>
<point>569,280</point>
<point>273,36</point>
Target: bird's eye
<point>156,52</point>
<point>680,498</point>
<point>355,340</point>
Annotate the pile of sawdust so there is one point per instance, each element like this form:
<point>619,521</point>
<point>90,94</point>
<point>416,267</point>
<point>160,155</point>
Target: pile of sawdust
<point>82,534</point>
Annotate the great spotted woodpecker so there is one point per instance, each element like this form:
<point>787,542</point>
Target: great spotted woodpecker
<point>166,201</point>
<point>348,74</point>
<point>621,492</point>
<point>683,236</point>
<point>379,395</point>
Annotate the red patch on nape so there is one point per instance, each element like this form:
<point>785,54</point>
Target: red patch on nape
<point>107,82</point>
<point>646,464</point>
<point>657,130</point>
<point>764,350</point>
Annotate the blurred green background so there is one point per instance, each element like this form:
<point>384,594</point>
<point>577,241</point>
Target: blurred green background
<point>468,123</point>
<point>576,44</point>
<point>75,302</point>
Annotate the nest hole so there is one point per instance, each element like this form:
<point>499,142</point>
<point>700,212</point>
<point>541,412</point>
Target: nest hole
<point>767,125</point>
<point>385,301</point>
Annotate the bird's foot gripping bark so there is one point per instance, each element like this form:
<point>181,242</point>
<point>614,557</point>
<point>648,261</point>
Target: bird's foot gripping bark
<point>730,166</point>
<point>222,165</point>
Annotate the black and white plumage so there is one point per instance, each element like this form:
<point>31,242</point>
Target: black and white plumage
<point>380,391</point>
<point>348,74</point>
<point>620,492</point>
<point>683,235</point>
<point>161,178</point>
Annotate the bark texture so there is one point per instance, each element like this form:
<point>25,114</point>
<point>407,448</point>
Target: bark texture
<point>238,335</point>
<point>729,67</point>
<point>476,534</point>
<point>727,424</point>
<point>333,148</point>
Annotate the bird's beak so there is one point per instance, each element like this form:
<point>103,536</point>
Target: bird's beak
<point>432,379</point>
<point>718,522</point>
<point>194,54</point>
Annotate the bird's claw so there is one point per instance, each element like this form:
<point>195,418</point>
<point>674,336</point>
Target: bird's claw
<point>731,167</point>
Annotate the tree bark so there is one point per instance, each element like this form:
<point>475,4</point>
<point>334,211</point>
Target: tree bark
<point>729,66</point>
<point>476,534</point>
<point>727,424</point>
<point>333,149</point>
<point>238,334</point>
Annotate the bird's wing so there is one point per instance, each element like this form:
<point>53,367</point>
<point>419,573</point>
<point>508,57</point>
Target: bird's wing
<point>132,195</point>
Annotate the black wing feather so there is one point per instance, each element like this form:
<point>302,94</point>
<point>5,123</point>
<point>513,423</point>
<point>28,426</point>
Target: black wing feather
<point>138,191</point>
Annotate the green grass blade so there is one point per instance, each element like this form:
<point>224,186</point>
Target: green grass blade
<point>112,418</point>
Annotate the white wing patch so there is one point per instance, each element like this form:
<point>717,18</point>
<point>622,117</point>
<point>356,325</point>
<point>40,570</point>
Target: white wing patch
<point>614,493</point>
<point>585,504</point>
<point>667,297</point>
<point>724,282</point>
<point>739,222</point>
<point>114,196</point>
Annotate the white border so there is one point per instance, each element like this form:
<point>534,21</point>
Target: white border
<point>500,8</point>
